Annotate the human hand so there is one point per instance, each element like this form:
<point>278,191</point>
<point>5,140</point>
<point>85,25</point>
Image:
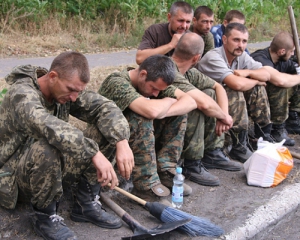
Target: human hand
<point>241,72</point>
<point>221,127</point>
<point>105,171</point>
<point>175,39</point>
<point>124,158</point>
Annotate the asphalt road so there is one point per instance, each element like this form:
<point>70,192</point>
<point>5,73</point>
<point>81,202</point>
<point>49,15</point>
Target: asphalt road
<point>95,60</point>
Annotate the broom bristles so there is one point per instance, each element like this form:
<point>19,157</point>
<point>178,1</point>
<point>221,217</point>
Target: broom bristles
<point>196,227</point>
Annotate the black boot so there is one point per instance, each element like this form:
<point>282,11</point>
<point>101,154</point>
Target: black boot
<point>51,226</point>
<point>239,150</point>
<point>217,159</point>
<point>87,207</point>
<point>194,171</point>
<point>279,133</point>
<point>292,124</point>
<point>264,132</point>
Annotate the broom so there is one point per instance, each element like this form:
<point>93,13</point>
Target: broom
<point>196,227</point>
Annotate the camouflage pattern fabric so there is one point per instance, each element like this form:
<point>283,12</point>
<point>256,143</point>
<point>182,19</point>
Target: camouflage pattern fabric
<point>25,117</point>
<point>209,42</point>
<point>200,134</point>
<point>279,99</point>
<point>295,99</point>
<point>253,103</point>
<point>118,88</point>
<point>156,144</point>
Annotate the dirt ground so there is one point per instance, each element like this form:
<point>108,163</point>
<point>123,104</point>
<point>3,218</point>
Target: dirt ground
<point>228,205</point>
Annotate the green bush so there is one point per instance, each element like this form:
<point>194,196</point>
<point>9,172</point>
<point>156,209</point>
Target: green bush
<point>3,91</point>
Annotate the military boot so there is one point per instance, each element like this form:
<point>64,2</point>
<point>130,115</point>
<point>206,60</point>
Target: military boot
<point>196,172</point>
<point>49,225</point>
<point>166,179</point>
<point>87,207</point>
<point>264,132</point>
<point>217,159</point>
<point>292,124</point>
<point>240,150</point>
<point>279,133</point>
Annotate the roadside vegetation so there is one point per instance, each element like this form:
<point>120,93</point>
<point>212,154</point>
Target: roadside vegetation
<point>46,27</point>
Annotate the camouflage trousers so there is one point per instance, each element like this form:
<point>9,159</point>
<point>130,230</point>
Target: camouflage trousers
<point>43,170</point>
<point>200,135</point>
<point>156,145</point>
<point>252,103</point>
<point>279,99</point>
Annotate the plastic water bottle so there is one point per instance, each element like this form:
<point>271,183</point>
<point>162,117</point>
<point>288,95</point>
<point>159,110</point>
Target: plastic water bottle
<point>177,190</point>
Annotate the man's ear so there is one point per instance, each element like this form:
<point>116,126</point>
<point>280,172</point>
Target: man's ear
<point>169,17</point>
<point>281,52</point>
<point>194,20</point>
<point>225,23</point>
<point>53,76</point>
<point>196,59</point>
<point>143,74</point>
<point>224,39</point>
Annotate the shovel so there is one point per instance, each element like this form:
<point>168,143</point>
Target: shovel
<point>139,231</point>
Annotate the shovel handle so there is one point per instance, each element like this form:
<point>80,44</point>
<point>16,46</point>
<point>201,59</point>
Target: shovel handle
<point>295,155</point>
<point>127,194</point>
<point>112,205</point>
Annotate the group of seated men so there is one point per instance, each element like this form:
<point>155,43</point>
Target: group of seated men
<point>173,109</point>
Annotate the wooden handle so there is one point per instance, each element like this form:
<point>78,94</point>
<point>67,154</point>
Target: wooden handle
<point>112,205</point>
<point>295,155</point>
<point>295,33</point>
<point>127,194</point>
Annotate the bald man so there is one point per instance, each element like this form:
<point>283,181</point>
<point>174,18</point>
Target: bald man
<point>282,89</point>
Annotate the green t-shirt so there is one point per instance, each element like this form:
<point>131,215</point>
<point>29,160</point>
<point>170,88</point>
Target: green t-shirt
<point>193,79</point>
<point>118,88</point>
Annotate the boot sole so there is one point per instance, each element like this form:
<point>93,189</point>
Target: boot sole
<point>80,218</point>
<point>40,233</point>
<point>205,183</point>
<point>211,166</point>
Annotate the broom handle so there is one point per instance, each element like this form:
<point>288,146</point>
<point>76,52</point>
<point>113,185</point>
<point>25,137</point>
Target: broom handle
<point>127,194</point>
<point>295,33</point>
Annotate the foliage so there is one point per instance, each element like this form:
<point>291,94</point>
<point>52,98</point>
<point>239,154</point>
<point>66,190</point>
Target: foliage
<point>128,17</point>
<point>3,91</point>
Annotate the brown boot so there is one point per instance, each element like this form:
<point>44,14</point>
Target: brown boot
<point>166,179</point>
<point>157,193</point>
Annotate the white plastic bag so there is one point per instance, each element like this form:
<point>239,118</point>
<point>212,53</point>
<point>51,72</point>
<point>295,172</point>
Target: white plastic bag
<point>269,165</point>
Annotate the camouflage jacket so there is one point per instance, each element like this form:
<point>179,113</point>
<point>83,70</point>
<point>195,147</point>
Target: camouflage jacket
<point>26,116</point>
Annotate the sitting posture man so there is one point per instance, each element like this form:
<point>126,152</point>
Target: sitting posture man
<point>230,17</point>
<point>244,80</point>
<point>156,113</point>
<point>278,56</point>
<point>162,38</point>
<point>202,22</point>
<point>40,150</point>
<point>206,124</point>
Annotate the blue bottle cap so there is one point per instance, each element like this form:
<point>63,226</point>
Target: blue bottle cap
<point>179,170</point>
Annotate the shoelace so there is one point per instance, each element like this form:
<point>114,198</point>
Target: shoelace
<point>56,218</point>
<point>96,201</point>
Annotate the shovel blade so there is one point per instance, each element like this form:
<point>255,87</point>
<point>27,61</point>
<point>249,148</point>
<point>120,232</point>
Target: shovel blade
<point>141,232</point>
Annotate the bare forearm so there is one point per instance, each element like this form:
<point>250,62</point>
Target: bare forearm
<point>282,79</point>
<point>141,55</point>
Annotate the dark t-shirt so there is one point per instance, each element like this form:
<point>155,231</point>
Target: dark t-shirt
<point>155,36</point>
<point>263,56</point>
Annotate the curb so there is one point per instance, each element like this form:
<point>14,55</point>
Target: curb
<point>269,214</point>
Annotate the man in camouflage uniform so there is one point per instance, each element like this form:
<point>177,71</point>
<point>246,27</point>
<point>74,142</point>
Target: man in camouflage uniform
<point>204,136</point>
<point>156,113</point>
<point>40,151</point>
<point>162,38</point>
<point>202,22</point>
<point>244,80</point>
<point>283,88</point>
